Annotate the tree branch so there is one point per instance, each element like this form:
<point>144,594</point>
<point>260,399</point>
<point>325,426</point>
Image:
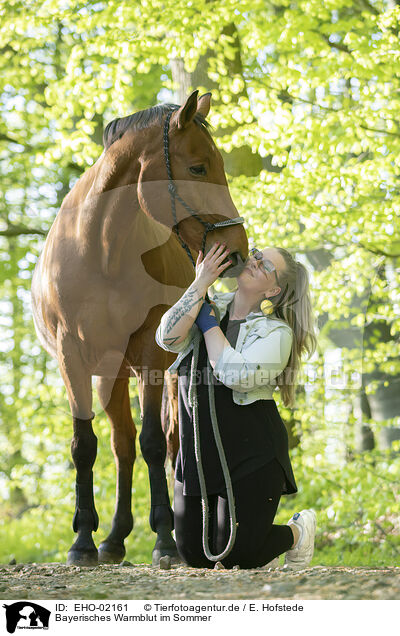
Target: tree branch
<point>24,144</point>
<point>369,6</point>
<point>377,130</point>
<point>378,252</point>
<point>335,45</point>
<point>288,96</point>
<point>10,140</point>
<point>19,230</point>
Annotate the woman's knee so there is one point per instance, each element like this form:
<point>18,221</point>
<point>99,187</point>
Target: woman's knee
<point>245,559</point>
<point>193,556</point>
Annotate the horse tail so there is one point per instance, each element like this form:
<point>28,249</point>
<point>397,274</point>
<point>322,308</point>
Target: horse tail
<point>42,332</point>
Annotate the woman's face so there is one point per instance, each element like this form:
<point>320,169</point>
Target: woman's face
<point>256,279</point>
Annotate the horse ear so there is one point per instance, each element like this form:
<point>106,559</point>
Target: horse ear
<point>186,112</point>
<point>203,104</point>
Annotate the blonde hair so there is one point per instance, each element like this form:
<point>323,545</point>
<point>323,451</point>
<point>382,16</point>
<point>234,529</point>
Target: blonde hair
<point>293,305</point>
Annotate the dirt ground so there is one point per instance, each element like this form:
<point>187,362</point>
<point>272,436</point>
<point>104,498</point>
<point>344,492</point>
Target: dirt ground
<point>129,581</point>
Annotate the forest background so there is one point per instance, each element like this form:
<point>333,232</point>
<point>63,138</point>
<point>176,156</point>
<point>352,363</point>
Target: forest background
<point>306,96</point>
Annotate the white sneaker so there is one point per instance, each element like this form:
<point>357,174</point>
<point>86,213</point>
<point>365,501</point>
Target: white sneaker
<point>300,556</point>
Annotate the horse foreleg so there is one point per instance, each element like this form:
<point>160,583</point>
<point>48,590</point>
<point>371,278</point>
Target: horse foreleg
<point>123,435</point>
<point>85,521</point>
<point>154,448</point>
<point>77,382</point>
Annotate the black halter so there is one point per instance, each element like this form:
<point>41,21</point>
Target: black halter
<point>208,227</point>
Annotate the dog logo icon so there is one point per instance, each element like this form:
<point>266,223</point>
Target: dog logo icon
<point>26,615</point>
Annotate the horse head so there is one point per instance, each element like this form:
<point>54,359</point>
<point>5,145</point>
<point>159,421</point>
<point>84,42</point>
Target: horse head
<point>197,170</point>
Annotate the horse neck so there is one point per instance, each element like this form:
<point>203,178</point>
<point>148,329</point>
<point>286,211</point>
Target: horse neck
<point>103,211</point>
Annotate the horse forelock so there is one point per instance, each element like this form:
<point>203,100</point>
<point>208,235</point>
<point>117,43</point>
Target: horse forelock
<point>116,128</point>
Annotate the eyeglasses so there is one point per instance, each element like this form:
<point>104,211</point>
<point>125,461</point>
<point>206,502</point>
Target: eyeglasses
<point>267,264</point>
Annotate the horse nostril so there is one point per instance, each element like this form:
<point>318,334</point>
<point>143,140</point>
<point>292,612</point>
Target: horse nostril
<point>233,258</point>
<point>235,268</point>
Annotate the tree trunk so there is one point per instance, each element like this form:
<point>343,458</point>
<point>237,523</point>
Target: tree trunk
<point>241,160</point>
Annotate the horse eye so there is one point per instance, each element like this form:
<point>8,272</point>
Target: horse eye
<point>198,171</point>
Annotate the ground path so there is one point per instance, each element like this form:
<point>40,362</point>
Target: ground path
<point>57,581</point>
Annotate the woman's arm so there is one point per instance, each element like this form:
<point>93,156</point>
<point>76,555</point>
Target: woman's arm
<point>177,321</point>
<point>215,343</point>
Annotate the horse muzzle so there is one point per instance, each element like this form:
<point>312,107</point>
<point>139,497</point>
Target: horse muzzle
<point>236,268</point>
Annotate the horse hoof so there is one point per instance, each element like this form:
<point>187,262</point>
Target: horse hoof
<point>160,553</point>
<point>79,557</point>
<point>111,553</point>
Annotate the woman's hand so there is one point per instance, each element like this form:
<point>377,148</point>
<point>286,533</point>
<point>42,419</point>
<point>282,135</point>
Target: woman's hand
<point>209,268</point>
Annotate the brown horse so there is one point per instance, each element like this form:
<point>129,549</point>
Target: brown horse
<point>112,264</point>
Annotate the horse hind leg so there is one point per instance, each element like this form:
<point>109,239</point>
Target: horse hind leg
<point>169,416</point>
<point>114,397</point>
<point>77,381</point>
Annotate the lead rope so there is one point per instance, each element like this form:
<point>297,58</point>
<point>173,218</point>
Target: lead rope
<point>193,402</point>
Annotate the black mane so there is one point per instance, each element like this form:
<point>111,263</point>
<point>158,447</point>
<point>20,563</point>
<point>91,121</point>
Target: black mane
<point>142,119</point>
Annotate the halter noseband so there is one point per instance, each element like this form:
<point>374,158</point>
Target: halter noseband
<point>173,192</point>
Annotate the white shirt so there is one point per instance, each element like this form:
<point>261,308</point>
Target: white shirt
<point>260,355</point>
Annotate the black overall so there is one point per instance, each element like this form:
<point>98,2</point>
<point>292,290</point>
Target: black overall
<point>255,442</point>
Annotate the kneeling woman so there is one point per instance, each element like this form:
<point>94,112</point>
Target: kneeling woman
<point>253,340</point>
